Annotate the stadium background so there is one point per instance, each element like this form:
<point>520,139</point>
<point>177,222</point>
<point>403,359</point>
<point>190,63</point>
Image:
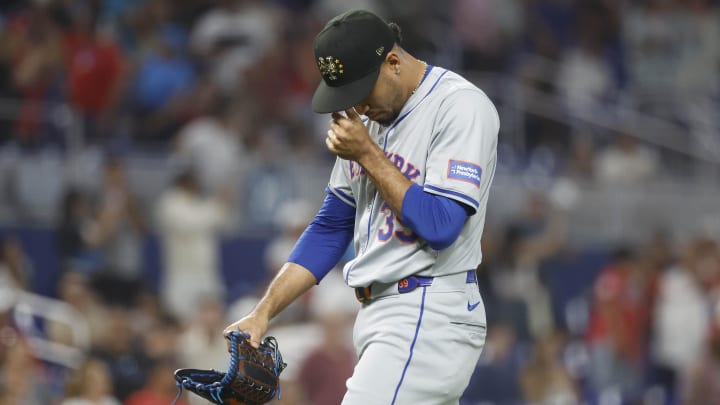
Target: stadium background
<point>158,158</point>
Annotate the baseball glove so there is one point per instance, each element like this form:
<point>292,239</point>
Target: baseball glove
<point>252,377</point>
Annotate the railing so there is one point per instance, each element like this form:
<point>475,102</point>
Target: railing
<point>598,214</point>
<point>697,136</point>
<point>515,99</point>
<point>33,314</point>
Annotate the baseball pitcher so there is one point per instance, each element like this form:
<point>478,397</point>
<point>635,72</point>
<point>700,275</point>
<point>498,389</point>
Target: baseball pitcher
<point>416,154</point>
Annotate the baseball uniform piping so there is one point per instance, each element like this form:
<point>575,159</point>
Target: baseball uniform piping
<point>412,346</point>
<point>462,196</point>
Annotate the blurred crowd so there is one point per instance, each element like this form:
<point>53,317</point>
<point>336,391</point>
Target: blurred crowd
<point>626,323</point>
<point>189,121</point>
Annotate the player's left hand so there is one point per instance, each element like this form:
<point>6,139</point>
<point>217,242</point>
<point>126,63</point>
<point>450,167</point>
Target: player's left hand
<point>348,137</point>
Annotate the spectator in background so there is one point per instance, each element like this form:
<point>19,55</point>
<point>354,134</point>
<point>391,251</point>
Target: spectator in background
<point>585,76</point>
<point>682,313</point>
<point>22,377</point>
<point>650,32</point>
<point>118,235</point>
<point>16,270</point>
<point>544,380</point>
<point>74,289</point>
<point>580,162</point>
<point>148,312</point>
<point>626,162</point>
<point>101,237</point>
<point>164,78</point>
<point>121,353</point>
<point>302,78</point>
<point>327,367</point>
<point>232,37</point>
<point>95,71</point>
<point>703,382</point>
<point>75,243</point>
<point>619,326</point>
<point>290,220</point>
<point>189,224</point>
<point>495,379</point>
<point>160,338</point>
<point>200,345</point>
<point>700,51</point>
<point>698,86</point>
<point>159,389</point>
<point>212,144</point>
<point>90,384</point>
<point>270,182</point>
<point>34,47</point>
<point>537,235</point>
<point>487,31</point>
<point>537,71</point>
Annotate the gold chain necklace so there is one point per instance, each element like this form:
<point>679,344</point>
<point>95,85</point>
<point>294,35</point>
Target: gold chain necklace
<point>422,74</point>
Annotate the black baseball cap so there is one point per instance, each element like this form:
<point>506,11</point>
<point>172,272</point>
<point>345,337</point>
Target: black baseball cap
<point>349,52</point>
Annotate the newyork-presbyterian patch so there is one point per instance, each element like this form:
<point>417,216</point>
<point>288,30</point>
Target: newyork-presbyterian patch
<point>464,171</point>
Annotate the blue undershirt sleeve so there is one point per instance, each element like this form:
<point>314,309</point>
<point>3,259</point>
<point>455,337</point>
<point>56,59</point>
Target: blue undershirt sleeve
<point>326,239</point>
<point>436,219</point>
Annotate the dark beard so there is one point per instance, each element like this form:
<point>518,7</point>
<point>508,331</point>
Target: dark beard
<point>389,120</point>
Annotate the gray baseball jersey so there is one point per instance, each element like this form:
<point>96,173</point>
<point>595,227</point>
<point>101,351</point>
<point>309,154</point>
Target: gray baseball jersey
<point>444,139</point>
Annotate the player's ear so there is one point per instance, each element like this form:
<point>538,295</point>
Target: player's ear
<point>392,60</point>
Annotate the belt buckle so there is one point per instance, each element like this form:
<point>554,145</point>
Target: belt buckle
<point>363,294</point>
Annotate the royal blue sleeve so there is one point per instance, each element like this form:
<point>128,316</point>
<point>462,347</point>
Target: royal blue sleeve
<point>436,219</point>
<point>327,237</point>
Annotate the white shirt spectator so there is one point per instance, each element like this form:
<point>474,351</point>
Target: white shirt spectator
<point>626,163</point>
<point>681,320</point>
<point>584,79</point>
<point>214,150</point>
<point>189,224</point>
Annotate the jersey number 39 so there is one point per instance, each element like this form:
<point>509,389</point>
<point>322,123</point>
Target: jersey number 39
<point>386,232</point>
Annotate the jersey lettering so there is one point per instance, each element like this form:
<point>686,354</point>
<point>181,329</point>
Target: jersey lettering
<point>356,170</point>
<point>409,170</point>
<point>403,234</point>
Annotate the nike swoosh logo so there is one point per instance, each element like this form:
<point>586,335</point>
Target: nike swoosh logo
<point>473,306</point>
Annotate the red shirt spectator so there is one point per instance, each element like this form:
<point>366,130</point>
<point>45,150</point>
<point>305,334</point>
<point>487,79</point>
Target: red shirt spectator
<point>324,372</point>
<point>94,71</point>
<point>147,397</point>
<point>621,309</point>
<point>159,387</point>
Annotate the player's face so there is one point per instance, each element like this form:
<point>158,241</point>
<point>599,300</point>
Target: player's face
<point>385,101</point>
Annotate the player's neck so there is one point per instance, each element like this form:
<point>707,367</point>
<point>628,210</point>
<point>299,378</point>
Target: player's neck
<point>415,76</point>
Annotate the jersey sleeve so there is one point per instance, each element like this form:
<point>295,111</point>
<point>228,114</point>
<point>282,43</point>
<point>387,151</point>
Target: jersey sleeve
<point>462,151</point>
<point>339,183</point>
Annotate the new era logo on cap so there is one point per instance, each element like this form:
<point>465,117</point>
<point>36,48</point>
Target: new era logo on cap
<point>349,52</point>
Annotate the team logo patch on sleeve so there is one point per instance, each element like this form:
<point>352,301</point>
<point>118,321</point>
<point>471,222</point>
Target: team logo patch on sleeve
<point>464,171</point>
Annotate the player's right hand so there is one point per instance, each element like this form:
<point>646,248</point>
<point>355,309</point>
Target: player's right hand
<point>253,324</point>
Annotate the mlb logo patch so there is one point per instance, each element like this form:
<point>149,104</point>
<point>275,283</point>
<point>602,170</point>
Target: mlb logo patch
<point>464,171</point>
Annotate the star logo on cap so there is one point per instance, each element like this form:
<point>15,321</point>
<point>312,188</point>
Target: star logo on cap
<point>330,67</point>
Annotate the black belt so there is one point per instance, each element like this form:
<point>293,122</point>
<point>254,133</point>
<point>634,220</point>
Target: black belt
<point>407,284</point>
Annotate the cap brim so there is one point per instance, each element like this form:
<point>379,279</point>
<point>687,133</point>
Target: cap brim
<point>329,99</point>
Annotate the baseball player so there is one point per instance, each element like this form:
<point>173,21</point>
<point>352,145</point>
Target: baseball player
<point>416,154</point>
